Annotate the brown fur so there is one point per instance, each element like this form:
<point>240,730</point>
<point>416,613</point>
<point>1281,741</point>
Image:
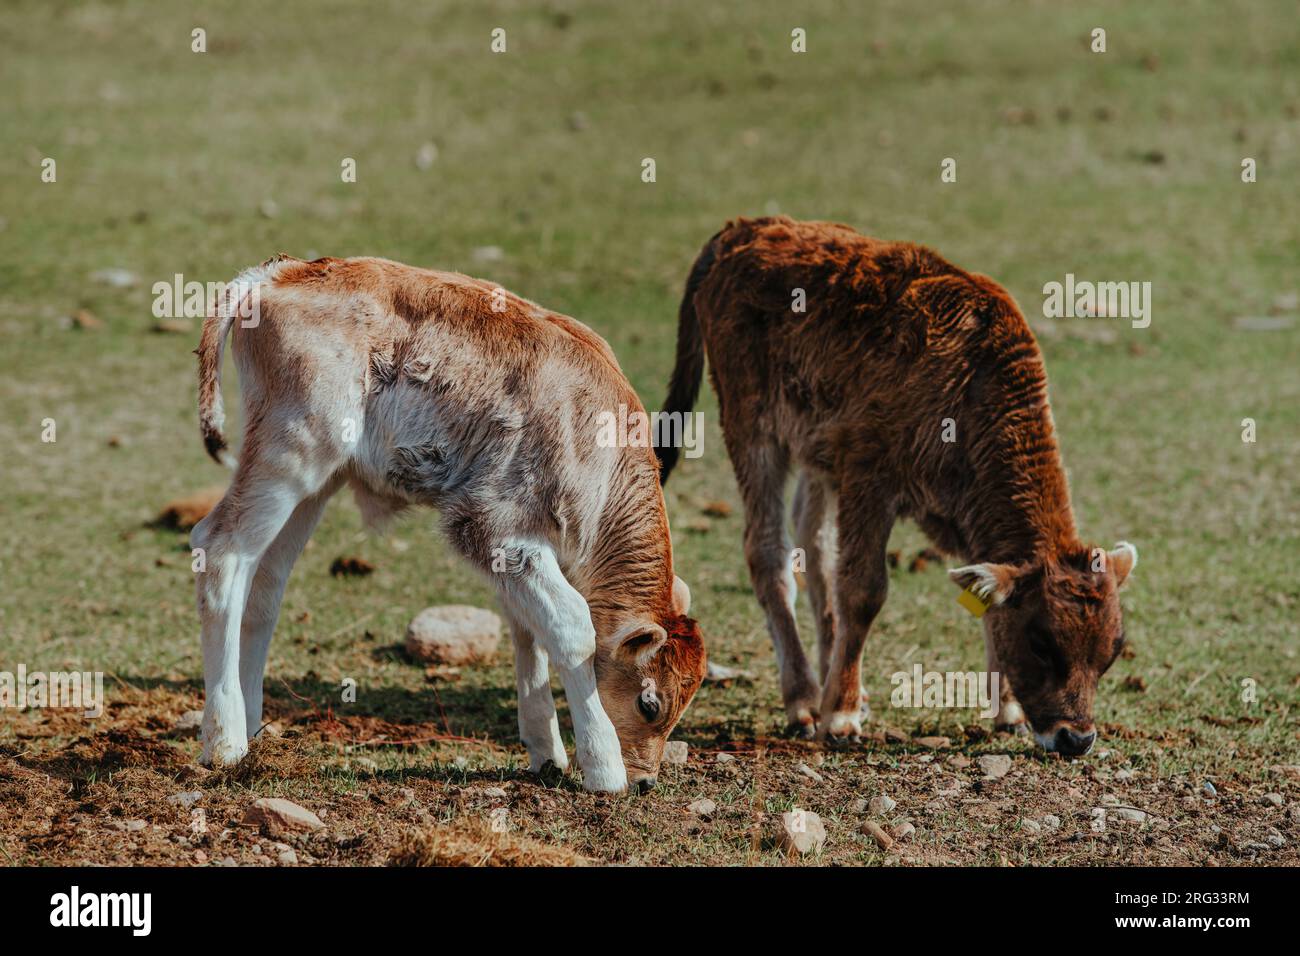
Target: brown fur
<point>854,393</point>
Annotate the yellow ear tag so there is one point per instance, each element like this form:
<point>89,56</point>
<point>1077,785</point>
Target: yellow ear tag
<point>973,602</point>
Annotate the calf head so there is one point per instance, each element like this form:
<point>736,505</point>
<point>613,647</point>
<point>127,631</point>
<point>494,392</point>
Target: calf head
<point>646,680</point>
<point>1055,626</point>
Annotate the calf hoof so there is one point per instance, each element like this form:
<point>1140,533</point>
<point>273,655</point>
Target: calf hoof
<point>842,730</point>
<point>223,753</point>
<point>604,778</point>
<point>1019,730</point>
<point>802,729</point>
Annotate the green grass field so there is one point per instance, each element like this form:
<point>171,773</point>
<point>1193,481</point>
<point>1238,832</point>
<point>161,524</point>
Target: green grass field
<point>1115,166</point>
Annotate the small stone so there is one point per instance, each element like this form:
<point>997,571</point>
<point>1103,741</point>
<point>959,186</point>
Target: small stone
<point>675,752</point>
<point>426,156</point>
<point>269,208</point>
<point>1051,821</point>
<point>724,758</point>
<point>200,856</point>
<point>934,743</point>
<point>1207,788</point>
<point>894,736</point>
<point>455,634</point>
<point>1124,776</point>
<point>277,816</point>
<point>801,832</point>
<point>189,724</point>
<point>1275,839</point>
<point>185,800</point>
<point>959,761</point>
<point>488,254</point>
<point>902,831</point>
<point>1030,826</point>
<point>288,857</point>
<point>722,674</point>
<point>407,796</point>
<point>494,793</point>
<point>135,826</point>
<point>1131,814</point>
<point>994,766</point>
<point>365,765</point>
<point>858,806</point>
<point>1272,798</point>
<point>877,833</point>
<point>881,804</point>
<point>118,278</point>
<point>1103,754</point>
<point>703,807</point>
<point>810,773</point>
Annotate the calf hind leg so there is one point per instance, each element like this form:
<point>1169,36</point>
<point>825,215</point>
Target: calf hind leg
<point>761,474</point>
<point>234,537</point>
<point>263,605</point>
<point>861,583</point>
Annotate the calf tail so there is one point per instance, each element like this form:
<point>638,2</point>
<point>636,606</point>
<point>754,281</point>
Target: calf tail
<point>212,343</point>
<point>684,386</point>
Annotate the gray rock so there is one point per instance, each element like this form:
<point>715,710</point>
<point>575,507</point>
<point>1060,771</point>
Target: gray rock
<point>1272,798</point>
<point>675,752</point>
<point>277,816</point>
<point>1131,814</point>
<point>994,766</point>
<point>800,832</point>
<point>1031,826</point>
<point>881,804</point>
<point>703,807</point>
<point>810,773</point>
<point>455,634</point>
<point>1051,821</point>
<point>724,758</point>
<point>185,800</point>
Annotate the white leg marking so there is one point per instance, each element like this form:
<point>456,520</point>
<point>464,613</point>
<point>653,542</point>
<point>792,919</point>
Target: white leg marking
<point>539,727</point>
<point>538,595</point>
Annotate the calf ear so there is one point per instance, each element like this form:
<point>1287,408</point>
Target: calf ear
<point>1121,562</point>
<point>637,643</point>
<point>992,582</point>
<point>681,597</point>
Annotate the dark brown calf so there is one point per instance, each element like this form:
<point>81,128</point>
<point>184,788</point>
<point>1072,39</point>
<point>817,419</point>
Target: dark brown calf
<point>905,387</point>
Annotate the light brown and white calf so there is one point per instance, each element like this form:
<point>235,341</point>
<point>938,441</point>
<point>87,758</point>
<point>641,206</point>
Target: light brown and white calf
<point>432,388</point>
<point>906,387</point>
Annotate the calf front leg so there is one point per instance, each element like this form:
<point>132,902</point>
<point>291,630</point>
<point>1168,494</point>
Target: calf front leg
<point>539,727</point>
<point>536,593</point>
<point>1010,715</point>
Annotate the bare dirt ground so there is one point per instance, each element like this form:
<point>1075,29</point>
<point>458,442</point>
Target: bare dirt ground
<point>395,793</point>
